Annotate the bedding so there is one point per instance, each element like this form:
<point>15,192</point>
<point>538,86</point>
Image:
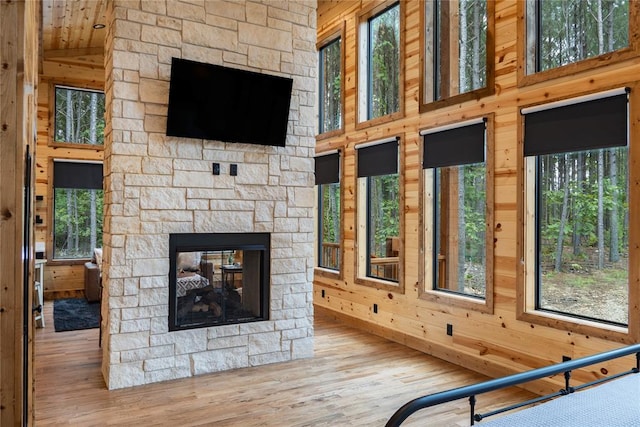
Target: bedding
<point>615,403</point>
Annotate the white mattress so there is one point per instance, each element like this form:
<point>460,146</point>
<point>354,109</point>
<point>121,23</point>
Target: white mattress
<point>613,404</point>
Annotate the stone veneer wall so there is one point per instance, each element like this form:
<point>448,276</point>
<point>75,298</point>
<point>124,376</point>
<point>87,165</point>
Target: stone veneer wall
<point>156,185</point>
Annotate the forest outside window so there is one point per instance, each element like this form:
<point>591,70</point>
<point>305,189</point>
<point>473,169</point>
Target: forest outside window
<point>559,33</point>
<point>330,88</point>
<point>77,209</point>
<point>78,116</point>
<point>458,260</point>
<point>458,55</point>
<point>577,222</point>
<point>378,212</point>
<point>379,68</point>
<point>327,171</point>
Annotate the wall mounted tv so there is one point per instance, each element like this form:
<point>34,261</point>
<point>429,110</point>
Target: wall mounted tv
<point>227,104</point>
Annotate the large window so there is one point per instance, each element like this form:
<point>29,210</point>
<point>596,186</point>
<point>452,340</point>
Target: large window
<point>77,209</point>
<point>458,260</point>
<point>78,116</point>
<point>327,168</point>
<point>380,71</point>
<point>569,31</point>
<point>577,222</point>
<point>455,48</point>
<point>378,211</point>
<point>330,88</point>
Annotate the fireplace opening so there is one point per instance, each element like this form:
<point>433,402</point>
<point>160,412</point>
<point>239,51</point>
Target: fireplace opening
<point>218,279</point>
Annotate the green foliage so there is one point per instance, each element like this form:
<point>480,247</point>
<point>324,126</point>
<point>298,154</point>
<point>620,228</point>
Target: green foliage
<point>572,30</point>
<point>73,222</point>
<point>330,87</point>
<point>79,116</point>
<point>383,212</point>
<point>384,97</point>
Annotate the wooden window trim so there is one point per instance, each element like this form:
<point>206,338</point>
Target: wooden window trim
<point>609,58</point>
<point>362,60</point>
<point>525,290</point>
<point>474,95</point>
<point>360,243</point>
<point>52,113</point>
<point>51,261</point>
<point>425,281</point>
<point>336,32</point>
<point>322,271</point>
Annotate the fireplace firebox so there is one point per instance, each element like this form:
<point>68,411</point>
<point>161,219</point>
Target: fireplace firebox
<point>218,279</point>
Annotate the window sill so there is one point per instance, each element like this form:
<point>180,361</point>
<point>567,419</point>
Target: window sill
<point>327,272</point>
<point>381,284</point>
<point>482,305</point>
<point>579,326</point>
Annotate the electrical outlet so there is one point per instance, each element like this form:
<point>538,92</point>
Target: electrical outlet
<point>323,293</point>
<point>233,170</point>
<point>565,358</point>
<point>449,329</point>
<point>216,168</point>
<point>375,308</point>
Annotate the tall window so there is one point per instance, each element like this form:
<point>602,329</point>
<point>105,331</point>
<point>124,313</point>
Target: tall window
<point>327,170</point>
<point>455,200</point>
<point>378,210</point>
<point>77,209</point>
<point>455,48</point>
<point>568,31</point>
<point>330,90</point>
<point>380,74</point>
<point>78,116</point>
<point>578,224</point>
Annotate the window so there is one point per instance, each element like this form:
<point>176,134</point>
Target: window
<point>327,168</point>
<point>378,211</point>
<point>330,89</point>
<point>380,71</point>
<point>458,259</point>
<point>78,116</point>
<point>458,56</point>
<point>77,209</point>
<point>564,32</point>
<point>577,222</point>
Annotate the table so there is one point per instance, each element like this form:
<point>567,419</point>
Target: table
<point>230,270</point>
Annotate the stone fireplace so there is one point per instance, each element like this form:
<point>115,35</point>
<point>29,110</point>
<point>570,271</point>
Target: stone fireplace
<point>158,186</point>
<point>218,279</point>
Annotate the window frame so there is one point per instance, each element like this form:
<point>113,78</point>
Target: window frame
<point>52,116</point>
<point>524,79</point>
<point>362,226</point>
<point>50,242</point>
<point>426,286</point>
<point>320,270</point>
<point>363,69</point>
<point>333,34</point>
<point>429,34</point>
<point>526,295</point>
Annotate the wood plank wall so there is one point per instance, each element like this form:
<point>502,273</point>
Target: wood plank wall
<point>18,85</point>
<point>498,343</point>
<point>61,279</point>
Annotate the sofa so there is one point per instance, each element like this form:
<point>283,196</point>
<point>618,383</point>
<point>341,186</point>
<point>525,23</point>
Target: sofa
<point>93,277</point>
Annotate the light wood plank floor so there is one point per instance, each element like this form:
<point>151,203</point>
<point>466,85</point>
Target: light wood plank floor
<point>354,379</point>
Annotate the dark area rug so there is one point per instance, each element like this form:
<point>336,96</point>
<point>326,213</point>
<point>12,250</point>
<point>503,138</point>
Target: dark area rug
<point>72,314</point>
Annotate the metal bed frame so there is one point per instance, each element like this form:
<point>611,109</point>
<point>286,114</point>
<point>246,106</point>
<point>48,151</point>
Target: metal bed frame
<point>471,391</point>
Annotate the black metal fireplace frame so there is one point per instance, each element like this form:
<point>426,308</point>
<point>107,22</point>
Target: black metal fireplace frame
<point>192,242</point>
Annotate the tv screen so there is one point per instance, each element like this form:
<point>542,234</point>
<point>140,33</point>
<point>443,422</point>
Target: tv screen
<point>227,104</point>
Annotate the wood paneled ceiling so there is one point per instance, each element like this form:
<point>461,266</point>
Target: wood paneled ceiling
<point>68,28</point>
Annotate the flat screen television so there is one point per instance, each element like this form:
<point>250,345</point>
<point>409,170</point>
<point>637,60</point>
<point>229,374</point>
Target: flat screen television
<point>220,103</point>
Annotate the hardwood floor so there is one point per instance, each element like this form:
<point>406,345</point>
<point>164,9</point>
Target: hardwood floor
<point>354,379</point>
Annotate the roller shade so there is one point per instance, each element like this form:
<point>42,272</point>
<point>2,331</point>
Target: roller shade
<point>86,176</point>
<point>589,125</point>
<point>455,146</point>
<point>378,159</point>
<point>327,169</point>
